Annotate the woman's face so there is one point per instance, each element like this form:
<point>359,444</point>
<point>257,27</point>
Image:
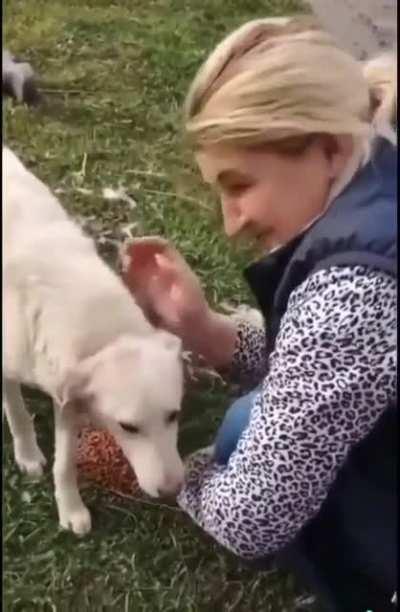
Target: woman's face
<point>270,197</point>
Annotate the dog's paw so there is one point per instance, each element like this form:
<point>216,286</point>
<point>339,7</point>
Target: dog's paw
<point>30,459</point>
<point>78,521</point>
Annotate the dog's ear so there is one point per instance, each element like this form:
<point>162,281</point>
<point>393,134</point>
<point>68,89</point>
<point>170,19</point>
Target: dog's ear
<point>171,342</point>
<point>75,387</point>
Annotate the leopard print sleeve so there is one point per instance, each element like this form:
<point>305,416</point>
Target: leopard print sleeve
<point>332,374</point>
<point>249,360</point>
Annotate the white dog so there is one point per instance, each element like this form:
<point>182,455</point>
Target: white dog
<point>71,328</point>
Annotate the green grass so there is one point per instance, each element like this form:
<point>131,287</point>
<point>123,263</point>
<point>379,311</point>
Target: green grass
<point>115,74</point>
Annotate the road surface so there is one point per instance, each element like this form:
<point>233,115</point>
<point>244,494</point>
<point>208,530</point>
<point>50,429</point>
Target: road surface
<point>364,27</point>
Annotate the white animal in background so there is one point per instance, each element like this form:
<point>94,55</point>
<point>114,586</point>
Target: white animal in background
<point>72,329</point>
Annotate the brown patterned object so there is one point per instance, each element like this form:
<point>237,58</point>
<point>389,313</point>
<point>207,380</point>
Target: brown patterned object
<point>100,461</point>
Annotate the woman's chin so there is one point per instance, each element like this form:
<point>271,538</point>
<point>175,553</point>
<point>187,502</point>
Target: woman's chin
<point>266,243</point>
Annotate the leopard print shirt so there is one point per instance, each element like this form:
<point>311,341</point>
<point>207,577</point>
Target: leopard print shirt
<point>331,375</point>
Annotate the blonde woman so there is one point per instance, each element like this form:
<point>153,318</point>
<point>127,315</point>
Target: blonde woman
<point>297,139</point>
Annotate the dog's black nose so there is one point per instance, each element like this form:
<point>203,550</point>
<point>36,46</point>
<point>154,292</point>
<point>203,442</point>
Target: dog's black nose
<point>169,491</point>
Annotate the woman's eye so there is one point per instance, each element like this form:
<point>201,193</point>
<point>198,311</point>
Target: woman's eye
<point>237,188</point>
<point>132,429</point>
<point>172,417</point>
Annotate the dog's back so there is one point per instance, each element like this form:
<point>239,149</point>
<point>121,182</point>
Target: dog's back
<point>55,286</point>
<point>28,205</point>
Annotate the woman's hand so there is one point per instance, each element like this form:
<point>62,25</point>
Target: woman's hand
<point>165,287</point>
<point>171,297</point>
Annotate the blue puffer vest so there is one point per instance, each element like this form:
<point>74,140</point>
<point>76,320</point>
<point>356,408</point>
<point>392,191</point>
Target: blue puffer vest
<point>349,550</point>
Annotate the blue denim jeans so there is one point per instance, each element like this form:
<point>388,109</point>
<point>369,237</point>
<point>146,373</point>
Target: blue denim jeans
<point>235,422</point>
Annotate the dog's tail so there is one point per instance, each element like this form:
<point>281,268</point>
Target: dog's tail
<point>19,80</point>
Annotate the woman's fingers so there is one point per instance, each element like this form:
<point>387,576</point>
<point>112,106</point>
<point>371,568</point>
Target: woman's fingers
<point>161,280</point>
<point>138,255</point>
<point>148,242</point>
<point>149,262</point>
<point>138,262</point>
<point>164,262</point>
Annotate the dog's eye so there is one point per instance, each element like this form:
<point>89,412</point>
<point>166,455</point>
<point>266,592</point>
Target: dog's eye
<point>132,429</point>
<point>172,417</point>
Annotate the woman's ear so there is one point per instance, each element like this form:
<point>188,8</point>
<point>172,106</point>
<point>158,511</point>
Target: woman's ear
<point>338,150</point>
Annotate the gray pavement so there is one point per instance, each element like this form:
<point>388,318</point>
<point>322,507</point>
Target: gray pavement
<point>363,27</point>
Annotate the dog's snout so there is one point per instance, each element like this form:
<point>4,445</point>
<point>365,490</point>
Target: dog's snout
<point>162,492</point>
<point>170,488</point>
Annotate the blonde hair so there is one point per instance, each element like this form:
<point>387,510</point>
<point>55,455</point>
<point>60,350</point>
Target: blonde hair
<point>277,79</point>
<point>381,75</point>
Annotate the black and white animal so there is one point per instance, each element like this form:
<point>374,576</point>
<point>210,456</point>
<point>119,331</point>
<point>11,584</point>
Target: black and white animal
<point>19,80</point>
<point>72,329</point>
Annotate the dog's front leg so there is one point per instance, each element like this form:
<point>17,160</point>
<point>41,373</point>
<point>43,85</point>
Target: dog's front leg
<point>72,512</point>
<point>28,455</point>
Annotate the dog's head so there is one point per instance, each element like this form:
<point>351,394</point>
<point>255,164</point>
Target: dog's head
<point>134,387</point>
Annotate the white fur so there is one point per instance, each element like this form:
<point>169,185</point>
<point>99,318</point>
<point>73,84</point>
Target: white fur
<point>71,328</point>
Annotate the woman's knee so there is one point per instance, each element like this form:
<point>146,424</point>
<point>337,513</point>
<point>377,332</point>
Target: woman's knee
<point>235,422</point>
